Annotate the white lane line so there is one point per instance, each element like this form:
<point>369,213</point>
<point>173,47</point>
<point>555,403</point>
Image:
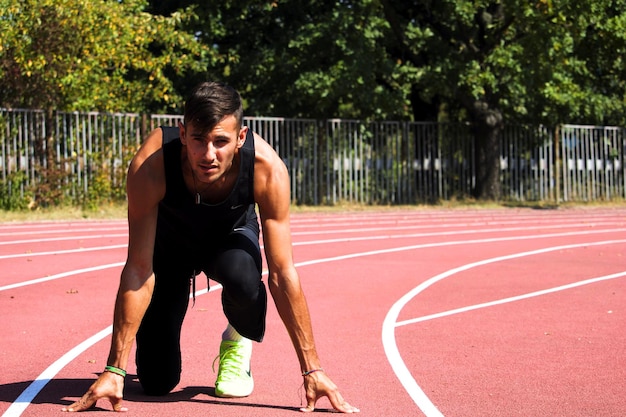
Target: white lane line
<point>61,275</point>
<point>429,216</point>
<point>26,397</point>
<point>16,226</point>
<point>55,239</point>
<point>61,252</point>
<point>363,229</point>
<point>391,320</point>
<point>64,231</point>
<point>457,232</point>
<point>510,299</point>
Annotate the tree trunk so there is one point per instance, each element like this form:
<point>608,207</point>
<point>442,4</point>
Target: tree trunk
<point>487,126</point>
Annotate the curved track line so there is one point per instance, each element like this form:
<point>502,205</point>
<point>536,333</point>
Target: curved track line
<point>26,397</point>
<point>390,322</point>
<point>510,299</point>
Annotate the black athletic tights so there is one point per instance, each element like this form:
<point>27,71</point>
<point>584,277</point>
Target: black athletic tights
<point>237,267</point>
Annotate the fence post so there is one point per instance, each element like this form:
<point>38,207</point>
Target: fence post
<point>622,159</point>
<point>557,164</point>
<point>144,127</point>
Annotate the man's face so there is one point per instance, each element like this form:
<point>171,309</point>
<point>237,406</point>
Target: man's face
<point>211,155</point>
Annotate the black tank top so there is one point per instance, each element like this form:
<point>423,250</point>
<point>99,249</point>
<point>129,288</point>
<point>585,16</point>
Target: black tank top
<point>187,229</point>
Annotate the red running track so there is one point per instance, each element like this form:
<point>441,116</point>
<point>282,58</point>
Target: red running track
<point>504,312</point>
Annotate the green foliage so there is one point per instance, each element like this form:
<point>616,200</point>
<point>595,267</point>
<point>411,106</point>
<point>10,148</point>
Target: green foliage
<point>12,196</point>
<point>92,55</point>
<point>540,61</point>
<point>320,61</point>
<point>494,62</point>
<point>99,192</point>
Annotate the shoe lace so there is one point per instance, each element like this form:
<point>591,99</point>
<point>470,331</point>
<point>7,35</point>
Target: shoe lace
<point>231,363</point>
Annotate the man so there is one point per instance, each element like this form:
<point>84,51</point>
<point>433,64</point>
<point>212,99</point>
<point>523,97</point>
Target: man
<point>192,192</point>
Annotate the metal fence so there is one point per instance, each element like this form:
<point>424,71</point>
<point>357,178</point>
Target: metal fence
<point>329,161</point>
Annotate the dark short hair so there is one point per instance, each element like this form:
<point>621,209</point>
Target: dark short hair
<point>209,103</point>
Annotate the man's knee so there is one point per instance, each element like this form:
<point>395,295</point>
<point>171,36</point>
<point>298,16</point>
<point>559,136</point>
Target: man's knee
<point>158,379</point>
<point>158,386</point>
<point>237,271</point>
<point>159,363</point>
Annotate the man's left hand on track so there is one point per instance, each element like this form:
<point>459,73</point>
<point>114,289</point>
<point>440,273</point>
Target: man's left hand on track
<point>318,385</point>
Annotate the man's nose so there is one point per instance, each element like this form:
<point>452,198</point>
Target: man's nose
<point>209,152</point>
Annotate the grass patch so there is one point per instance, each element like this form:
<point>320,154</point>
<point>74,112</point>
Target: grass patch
<point>105,211</point>
<point>112,211</point>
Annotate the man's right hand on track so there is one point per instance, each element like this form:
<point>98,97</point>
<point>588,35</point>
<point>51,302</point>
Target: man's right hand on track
<point>109,386</point>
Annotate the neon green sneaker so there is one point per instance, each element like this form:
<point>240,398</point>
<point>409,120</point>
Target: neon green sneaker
<point>234,378</point>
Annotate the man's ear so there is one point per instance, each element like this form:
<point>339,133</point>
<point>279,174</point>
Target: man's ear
<point>243,132</point>
<point>181,133</point>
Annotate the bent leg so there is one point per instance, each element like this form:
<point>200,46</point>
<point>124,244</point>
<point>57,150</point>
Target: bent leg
<point>158,355</point>
<point>244,297</point>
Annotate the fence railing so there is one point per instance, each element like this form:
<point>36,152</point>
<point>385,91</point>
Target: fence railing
<point>79,154</point>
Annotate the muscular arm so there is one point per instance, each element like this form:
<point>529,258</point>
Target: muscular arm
<point>145,188</point>
<point>137,279</point>
<point>272,194</point>
<point>273,200</point>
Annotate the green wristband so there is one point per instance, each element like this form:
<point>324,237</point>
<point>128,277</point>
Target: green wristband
<point>115,370</point>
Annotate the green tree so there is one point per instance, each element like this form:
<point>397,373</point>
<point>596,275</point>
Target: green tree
<point>489,61</point>
<point>93,55</point>
<point>588,49</point>
<point>314,59</point>
<point>325,60</point>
